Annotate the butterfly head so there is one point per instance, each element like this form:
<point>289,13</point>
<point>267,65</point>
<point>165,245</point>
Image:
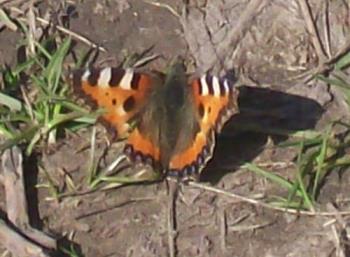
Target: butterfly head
<point>176,68</point>
<point>175,83</point>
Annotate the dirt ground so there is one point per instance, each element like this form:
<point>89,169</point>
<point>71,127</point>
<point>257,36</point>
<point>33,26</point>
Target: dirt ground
<point>268,57</point>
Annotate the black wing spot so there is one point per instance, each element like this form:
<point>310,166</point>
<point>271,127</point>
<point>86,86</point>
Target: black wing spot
<point>116,77</point>
<point>209,80</point>
<point>129,104</point>
<point>201,110</point>
<point>200,90</point>
<point>114,101</point>
<point>135,81</point>
<point>93,77</point>
<point>222,88</point>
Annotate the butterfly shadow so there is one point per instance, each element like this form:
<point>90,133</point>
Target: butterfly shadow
<point>264,113</point>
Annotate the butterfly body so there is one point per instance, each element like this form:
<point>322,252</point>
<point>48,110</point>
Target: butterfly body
<point>168,121</point>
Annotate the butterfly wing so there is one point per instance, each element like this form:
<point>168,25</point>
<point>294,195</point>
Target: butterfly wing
<point>123,94</point>
<point>215,101</point>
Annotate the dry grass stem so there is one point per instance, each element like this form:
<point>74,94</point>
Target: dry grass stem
<point>262,204</point>
<point>162,5</point>
<point>243,24</point>
<point>311,27</point>
<point>66,31</point>
<point>171,219</point>
<point>223,229</point>
<point>326,30</point>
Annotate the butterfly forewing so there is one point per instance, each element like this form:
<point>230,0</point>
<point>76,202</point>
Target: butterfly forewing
<point>112,89</point>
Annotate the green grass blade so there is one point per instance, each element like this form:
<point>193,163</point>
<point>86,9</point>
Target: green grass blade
<point>24,135</point>
<point>306,142</point>
<point>340,162</point>
<point>320,160</point>
<point>63,118</point>
<point>269,175</point>
<point>12,103</point>
<point>308,137</point>
<point>40,84</point>
<point>343,62</point>
<point>7,21</point>
<point>333,81</point>
<point>283,203</point>
<point>42,50</point>
<point>6,132</point>
<point>305,165</point>
<point>54,69</point>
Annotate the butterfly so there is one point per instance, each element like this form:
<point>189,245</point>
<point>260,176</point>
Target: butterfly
<point>168,120</point>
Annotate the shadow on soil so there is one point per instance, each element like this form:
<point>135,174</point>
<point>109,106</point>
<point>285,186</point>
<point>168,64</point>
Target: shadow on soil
<point>33,204</point>
<point>263,113</point>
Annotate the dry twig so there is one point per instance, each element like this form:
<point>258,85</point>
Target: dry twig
<point>17,244</point>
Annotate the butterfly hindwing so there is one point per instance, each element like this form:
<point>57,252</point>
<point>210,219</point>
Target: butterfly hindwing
<point>215,101</point>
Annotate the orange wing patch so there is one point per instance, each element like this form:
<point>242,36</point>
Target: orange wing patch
<point>193,159</point>
<point>121,93</point>
<point>216,102</point>
<point>141,149</point>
